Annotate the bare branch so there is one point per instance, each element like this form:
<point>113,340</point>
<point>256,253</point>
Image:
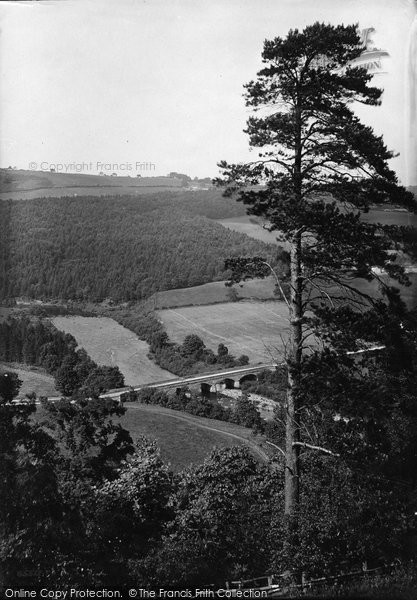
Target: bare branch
<point>277,447</point>
<point>319,448</point>
<point>278,282</point>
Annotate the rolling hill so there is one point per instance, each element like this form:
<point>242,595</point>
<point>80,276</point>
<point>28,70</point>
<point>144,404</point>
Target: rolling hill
<point>117,247</point>
<point>21,182</point>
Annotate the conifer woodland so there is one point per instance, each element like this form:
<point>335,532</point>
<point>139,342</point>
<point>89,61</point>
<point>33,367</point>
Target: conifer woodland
<point>118,248</point>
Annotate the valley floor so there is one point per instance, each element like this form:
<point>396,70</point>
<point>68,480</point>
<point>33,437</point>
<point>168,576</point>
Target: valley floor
<point>111,344</point>
<point>186,439</point>
<point>257,329</point>
<point>34,379</point>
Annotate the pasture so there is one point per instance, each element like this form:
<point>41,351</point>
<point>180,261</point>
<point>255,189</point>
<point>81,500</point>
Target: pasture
<point>74,191</point>
<point>252,227</point>
<point>212,293</point>
<point>25,185</point>
<point>391,216</point>
<point>111,344</point>
<point>182,438</point>
<point>256,329</point>
<point>33,379</point>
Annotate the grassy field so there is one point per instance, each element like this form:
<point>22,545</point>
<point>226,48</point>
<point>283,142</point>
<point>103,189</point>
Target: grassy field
<point>211,293</point>
<point>84,191</point>
<point>184,439</point>
<point>388,216</point>
<point>23,184</point>
<point>253,328</point>
<point>391,217</point>
<point>108,343</point>
<point>34,379</point>
<point>252,227</point>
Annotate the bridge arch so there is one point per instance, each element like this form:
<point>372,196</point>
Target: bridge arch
<point>205,389</point>
<point>229,383</point>
<point>247,378</point>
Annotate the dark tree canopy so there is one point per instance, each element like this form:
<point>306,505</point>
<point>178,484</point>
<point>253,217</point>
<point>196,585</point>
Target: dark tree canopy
<point>10,385</point>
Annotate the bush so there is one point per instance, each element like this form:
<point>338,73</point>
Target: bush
<point>246,414</point>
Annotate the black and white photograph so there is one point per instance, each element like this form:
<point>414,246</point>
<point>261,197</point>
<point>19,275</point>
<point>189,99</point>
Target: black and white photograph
<point>208,299</point>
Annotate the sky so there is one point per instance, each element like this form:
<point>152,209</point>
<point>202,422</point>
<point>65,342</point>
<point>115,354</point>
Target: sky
<point>160,82</point>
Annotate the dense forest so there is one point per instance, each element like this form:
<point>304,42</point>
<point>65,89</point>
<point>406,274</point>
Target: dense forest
<point>38,342</point>
<point>120,248</point>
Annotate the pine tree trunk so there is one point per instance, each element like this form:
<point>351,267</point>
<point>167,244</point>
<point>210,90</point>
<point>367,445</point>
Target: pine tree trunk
<point>292,474</point>
<point>292,469</point>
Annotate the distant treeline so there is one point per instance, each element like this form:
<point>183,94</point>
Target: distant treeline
<point>38,342</point>
<point>121,248</point>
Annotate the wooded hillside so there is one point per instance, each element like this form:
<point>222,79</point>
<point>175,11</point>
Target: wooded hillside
<point>116,247</point>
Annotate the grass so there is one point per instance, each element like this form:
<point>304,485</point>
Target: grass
<point>212,293</point>
<point>252,227</point>
<point>391,217</point>
<point>109,343</point>
<point>182,438</point>
<point>34,379</point>
<point>22,184</point>
<point>256,329</point>
<point>388,216</point>
<point>84,191</point>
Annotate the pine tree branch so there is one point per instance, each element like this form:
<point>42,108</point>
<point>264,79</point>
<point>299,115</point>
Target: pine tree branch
<point>320,289</point>
<point>318,448</point>
<point>278,282</point>
<point>277,447</point>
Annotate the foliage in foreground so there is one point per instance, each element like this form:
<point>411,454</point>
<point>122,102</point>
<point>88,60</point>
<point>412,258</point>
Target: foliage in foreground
<point>81,501</point>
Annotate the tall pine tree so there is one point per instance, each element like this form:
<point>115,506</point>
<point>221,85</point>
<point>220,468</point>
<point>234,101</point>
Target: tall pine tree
<point>318,169</point>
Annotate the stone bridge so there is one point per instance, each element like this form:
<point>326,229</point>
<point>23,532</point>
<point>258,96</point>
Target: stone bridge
<point>208,382</point>
<point>220,380</point>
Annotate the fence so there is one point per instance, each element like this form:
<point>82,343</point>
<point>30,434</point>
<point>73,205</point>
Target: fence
<point>277,586</point>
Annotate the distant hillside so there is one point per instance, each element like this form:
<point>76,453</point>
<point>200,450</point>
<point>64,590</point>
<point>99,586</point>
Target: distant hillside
<point>118,247</point>
<point>18,184</point>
